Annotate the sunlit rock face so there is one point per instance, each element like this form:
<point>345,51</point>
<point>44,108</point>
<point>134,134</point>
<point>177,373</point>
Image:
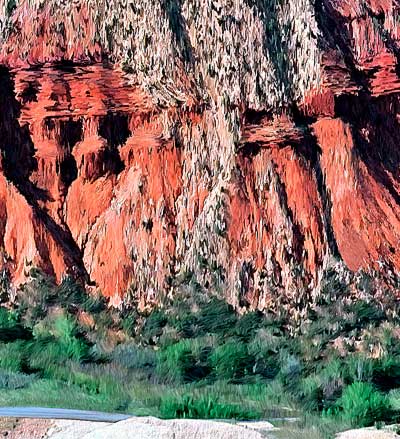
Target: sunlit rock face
<point>245,144</point>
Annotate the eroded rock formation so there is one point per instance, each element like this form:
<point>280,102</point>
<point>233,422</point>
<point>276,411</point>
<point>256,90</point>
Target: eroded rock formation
<point>252,144</point>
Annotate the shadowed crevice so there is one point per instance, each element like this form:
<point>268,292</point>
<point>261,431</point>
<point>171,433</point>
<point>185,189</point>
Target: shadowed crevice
<point>380,153</point>
<point>114,128</point>
<point>18,163</point>
<point>177,24</point>
<point>274,45</point>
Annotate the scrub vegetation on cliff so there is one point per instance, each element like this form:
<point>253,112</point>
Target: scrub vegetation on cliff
<point>196,357</point>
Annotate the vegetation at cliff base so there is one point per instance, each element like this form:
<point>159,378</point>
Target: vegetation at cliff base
<point>196,357</point>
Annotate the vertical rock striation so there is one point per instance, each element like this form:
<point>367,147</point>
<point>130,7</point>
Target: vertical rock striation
<point>249,144</point>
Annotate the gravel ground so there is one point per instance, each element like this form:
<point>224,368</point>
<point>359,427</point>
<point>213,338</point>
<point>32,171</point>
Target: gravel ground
<point>12,428</point>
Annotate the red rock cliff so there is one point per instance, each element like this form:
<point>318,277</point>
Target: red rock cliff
<point>251,144</point>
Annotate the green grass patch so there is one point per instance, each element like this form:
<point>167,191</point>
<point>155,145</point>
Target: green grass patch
<point>206,407</point>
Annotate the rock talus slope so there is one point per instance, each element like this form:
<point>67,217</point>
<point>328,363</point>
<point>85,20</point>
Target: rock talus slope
<point>245,143</point>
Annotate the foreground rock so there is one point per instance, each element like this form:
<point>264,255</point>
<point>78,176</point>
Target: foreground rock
<point>153,428</point>
<point>369,433</point>
<point>134,428</point>
<point>67,429</point>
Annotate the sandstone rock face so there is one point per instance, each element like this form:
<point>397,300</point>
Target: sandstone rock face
<point>249,143</point>
<point>153,428</point>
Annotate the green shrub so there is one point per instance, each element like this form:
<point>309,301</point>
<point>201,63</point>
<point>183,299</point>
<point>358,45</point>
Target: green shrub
<point>55,341</point>
<point>186,324</point>
<point>103,321</point>
<point>11,5</point>
<point>35,297</point>
<point>68,374</point>
<point>394,398</point>
<point>362,405</point>
<point>128,325</point>
<point>232,361</point>
<point>134,357</point>
<point>15,380</point>
<point>264,347</point>
<point>358,368</point>
<point>10,328</point>
<point>71,293</point>
<point>12,356</point>
<point>8,319</point>
<point>332,381</point>
<point>290,370</point>
<point>65,331</point>
<point>153,327</point>
<point>247,325</point>
<point>311,393</point>
<point>386,372</point>
<point>206,407</point>
<point>44,355</point>
<point>185,361</point>
<point>367,312</point>
<point>217,317</point>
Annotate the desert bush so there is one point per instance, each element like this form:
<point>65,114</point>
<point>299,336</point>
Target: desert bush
<point>185,361</point>
<point>362,405</point>
<point>153,326</point>
<point>232,361</point>
<point>290,370</point>
<point>247,325</point>
<point>12,356</point>
<point>10,327</point>
<point>253,359</point>
<point>14,380</point>
<point>71,293</point>
<point>217,317</point>
<point>35,297</point>
<point>134,357</point>
<point>358,367</point>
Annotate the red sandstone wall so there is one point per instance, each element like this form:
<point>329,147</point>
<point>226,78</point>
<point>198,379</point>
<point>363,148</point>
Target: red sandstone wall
<point>103,179</point>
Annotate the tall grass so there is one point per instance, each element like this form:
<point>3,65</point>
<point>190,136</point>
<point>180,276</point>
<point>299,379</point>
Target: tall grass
<point>362,405</point>
<point>206,407</point>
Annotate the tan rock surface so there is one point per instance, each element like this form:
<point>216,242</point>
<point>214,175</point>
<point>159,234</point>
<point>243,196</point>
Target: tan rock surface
<point>66,429</point>
<point>368,433</point>
<point>153,428</point>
